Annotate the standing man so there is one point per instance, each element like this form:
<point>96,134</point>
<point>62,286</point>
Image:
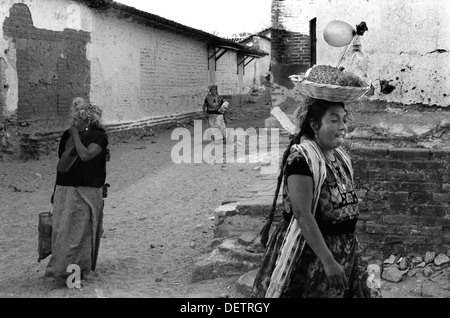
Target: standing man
<point>268,86</point>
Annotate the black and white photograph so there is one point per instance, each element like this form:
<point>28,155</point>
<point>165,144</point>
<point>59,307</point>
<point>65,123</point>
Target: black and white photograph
<point>225,150</point>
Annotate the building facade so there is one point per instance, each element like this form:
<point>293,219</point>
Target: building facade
<point>400,140</point>
<point>141,69</point>
<point>407,45</point>
<point>262,41</point>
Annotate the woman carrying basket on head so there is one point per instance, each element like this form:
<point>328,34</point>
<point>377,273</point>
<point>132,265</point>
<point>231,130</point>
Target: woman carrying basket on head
<point>313,252</point>
<point>78,197</point>
<point>214,108</point>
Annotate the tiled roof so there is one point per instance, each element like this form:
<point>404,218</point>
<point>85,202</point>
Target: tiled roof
<point>237,40</point>
<point>246,38</point>
<point>260,34</point>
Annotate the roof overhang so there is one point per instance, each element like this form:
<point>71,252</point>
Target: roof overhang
<point>157,22</point>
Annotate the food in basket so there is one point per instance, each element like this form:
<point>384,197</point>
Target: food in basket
<point>326,74</point>
<point>323,74</point>
<point>349,79</point>
<point>330,83</point>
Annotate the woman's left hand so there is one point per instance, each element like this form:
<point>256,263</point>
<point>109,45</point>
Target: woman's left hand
<point>73,130</point>
<point>335,274</point>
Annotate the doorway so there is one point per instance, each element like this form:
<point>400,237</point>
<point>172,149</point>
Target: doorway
<point>313,41</point>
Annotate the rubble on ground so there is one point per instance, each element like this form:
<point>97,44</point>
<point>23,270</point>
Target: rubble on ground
<point>395,267</point>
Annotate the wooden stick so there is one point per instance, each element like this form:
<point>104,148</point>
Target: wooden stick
<point>346,50</point>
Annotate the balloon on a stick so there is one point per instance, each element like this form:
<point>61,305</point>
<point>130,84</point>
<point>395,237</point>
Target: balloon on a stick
<point>338,33</point>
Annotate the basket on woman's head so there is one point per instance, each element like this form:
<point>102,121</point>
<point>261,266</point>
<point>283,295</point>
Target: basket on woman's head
<point>330,83</point>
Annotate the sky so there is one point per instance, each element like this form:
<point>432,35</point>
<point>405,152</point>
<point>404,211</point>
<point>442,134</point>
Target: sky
<point>224,18</point>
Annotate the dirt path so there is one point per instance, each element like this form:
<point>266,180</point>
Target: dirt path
<point>157,220</point>
<point>157,223</point>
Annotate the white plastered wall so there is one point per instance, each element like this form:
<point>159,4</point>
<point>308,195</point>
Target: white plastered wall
<point>139,72</point>
<point>407,44</point>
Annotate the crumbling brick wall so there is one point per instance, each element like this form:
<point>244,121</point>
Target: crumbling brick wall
<point>406,194</point>
<point>291,54</point>
<point>291,49</point>
<point>52,66</point>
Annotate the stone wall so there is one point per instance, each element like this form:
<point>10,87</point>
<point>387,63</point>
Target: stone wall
<point>404,198</point>
<point>31,144</point>
<point>401,153</point>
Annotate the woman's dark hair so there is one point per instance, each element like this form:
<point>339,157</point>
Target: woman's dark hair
<point>315,110</point>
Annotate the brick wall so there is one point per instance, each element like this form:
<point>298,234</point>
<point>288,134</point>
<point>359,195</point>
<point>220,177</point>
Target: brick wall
<point>251,74</point>
<point>138,71</point>
<point>180,65</point>
<point>291,49</point>
<point>293,15</point>
<point>226,73</point>
<point>404,196</point>
<point>290,55</point>
<point>51,66</point>
<point>256,70</point>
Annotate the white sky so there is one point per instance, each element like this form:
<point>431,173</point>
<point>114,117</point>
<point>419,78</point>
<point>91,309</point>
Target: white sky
<point>222,17</point>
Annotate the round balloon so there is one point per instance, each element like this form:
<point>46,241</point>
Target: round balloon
<point>338,33</point>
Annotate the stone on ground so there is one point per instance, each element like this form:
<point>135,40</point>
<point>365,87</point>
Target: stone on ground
<point>429,257</point>
<point>391,260</point>
<point>441,259</point>
<point>245,283</point>
<point>229,259</point>
<point>403,264</point>
<point>428,271</point>
<point>392,274</point>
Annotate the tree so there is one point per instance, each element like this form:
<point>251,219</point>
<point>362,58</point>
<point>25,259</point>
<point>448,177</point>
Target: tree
<point>242,34</point>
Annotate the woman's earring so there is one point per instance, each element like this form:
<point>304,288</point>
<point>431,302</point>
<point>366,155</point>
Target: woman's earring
<point>317,134</point>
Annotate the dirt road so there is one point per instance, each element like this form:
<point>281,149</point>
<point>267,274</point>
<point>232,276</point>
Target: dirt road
<point>157,219</point>
<point>157,223</point>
